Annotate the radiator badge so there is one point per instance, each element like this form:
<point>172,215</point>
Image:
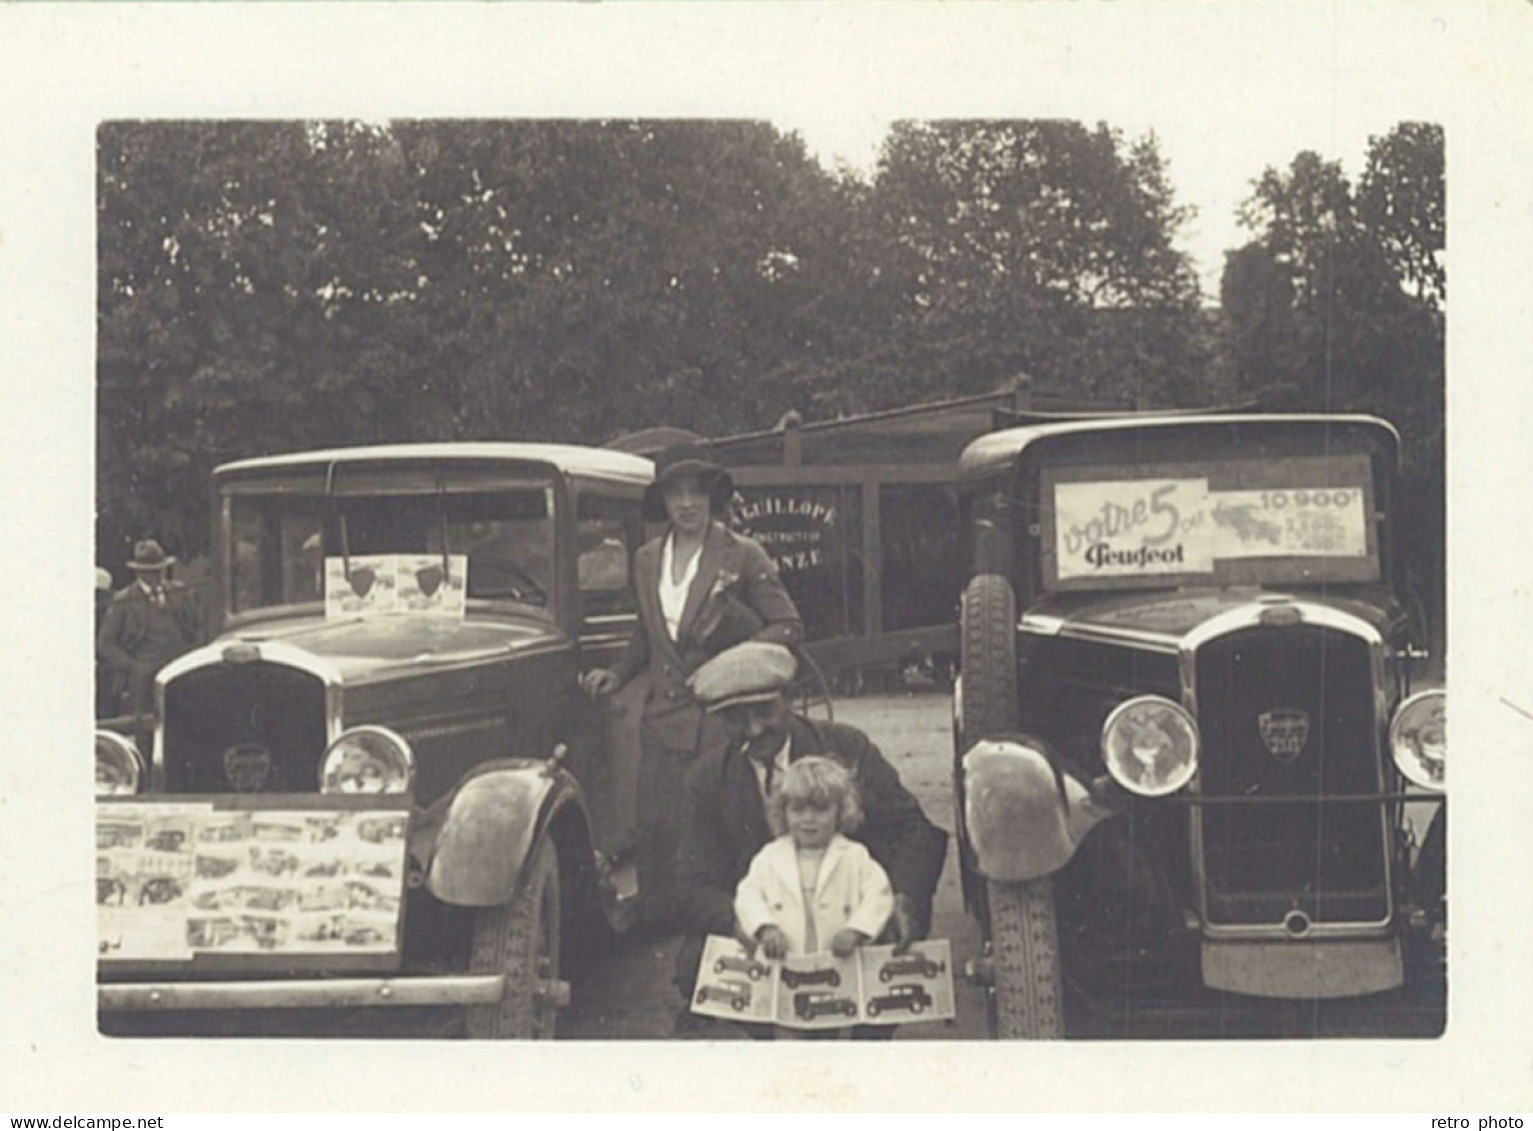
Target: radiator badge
<point>1284,731</point>
<point>246,766</point>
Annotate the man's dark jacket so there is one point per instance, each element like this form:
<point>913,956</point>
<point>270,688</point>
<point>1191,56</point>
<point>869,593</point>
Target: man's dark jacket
<point>724,825</point>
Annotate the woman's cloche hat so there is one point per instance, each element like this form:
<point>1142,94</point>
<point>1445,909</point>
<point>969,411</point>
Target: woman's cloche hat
<point>149,555</point>
<point>690,458</point>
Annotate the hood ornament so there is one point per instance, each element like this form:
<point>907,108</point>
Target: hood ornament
<point>1284,732</point>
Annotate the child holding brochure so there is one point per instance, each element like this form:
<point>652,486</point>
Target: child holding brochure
<point>813,889</point>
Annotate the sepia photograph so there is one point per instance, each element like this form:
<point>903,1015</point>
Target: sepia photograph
<point>1091,585</point>
<point>683,572</point>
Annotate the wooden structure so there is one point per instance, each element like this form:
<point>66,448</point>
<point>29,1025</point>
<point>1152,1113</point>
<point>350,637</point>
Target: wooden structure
<point>860,514</point>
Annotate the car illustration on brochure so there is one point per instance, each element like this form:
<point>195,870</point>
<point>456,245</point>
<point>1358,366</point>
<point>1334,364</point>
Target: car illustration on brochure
<point>910,964</point>
<point>825,976</point>
<point>736,993</point>
<point>817,1003</point>
<point>752,969</point>
<point>912,997</point>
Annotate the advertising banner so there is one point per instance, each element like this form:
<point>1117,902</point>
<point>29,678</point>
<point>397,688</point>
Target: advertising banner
<point>388,584</point>
<point>176,880</point>
<point>1132,523</point>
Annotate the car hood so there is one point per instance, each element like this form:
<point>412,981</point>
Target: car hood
<point>1172,615</point>
<point>358,650</point>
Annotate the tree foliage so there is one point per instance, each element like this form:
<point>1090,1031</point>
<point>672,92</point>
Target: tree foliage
<point>1337,303</point>
<point>269,286</point>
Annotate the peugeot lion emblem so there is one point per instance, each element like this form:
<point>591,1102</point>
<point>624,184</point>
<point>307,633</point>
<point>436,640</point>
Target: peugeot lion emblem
<point>1284,731</point>
<point>246,765</point>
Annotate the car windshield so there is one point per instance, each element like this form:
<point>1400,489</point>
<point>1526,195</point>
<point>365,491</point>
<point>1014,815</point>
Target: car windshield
<point>280,542</point>
<point>1302,520</point>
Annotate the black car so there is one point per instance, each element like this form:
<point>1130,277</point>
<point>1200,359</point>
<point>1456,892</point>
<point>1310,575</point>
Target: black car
<point>1194,760</point>
<point>752,969</point>
<point>736,992</point>
<point>825,976</point>
<point>817,1003</point>
<point>911,997</point>
<point>910,964</point>
<point>400,632</point>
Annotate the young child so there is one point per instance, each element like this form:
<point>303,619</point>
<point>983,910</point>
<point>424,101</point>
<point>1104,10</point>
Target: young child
<point>812,889</point>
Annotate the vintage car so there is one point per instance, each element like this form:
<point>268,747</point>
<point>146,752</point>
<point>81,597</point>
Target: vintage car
<point>911,997</point>
<point>823,976</point>
<point>394,682</point>
<point>910,964</point>
<point>741,965</point>
<point>1195,763</point>
<point>735,992</point>
<point>817,1003</point>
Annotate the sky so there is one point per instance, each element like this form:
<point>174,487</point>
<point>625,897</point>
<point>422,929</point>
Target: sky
<point>1211,162</point>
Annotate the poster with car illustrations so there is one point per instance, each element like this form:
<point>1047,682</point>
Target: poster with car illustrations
<point>820,991</point>
<point>430,583</point>
<point>361,586</point>
<point>177,881</point>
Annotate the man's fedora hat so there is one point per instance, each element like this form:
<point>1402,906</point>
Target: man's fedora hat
<point>149,555</point>
<point>752,672</point>
<point>691,458</point>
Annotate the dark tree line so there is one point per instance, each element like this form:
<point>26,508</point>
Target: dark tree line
<point>274,286</point>
<point>1337,304</point>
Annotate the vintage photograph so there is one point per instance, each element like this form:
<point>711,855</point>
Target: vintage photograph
<point>630,538</point>
<point>728,578</point>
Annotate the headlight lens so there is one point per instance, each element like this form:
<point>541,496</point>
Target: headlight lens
<point>119,769</point>
<point>1150,746</point>
<point>367,760</point>
<point>1418,738</point>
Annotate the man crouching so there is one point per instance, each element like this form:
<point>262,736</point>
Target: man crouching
<point>724,815</point>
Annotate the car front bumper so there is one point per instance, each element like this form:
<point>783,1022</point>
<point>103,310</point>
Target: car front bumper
<point>312,993</point>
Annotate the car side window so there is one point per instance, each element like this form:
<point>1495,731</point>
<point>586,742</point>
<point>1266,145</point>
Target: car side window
<point>604,529</point>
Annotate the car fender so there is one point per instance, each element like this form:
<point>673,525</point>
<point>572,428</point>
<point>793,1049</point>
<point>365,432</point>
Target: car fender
<point>484,832</point>
<point>1023,820</point>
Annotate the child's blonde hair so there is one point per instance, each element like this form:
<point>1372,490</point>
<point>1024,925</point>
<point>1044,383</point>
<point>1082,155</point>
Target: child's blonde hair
<point>821,783</point>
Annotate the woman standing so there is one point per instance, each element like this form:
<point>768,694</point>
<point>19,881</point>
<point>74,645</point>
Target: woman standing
<point>701,588</point>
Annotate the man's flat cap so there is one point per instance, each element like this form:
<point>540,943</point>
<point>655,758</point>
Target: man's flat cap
<point>747,673</point>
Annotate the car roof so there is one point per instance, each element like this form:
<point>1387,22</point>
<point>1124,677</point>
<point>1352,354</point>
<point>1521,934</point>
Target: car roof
<point>569,459</point>
<point>1000,449</point>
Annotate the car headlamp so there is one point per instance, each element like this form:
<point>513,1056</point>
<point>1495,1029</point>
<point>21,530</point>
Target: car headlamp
<point>367,759</point>
<point>1418,738</point>
<point>119,767</point>
<point>1150,746</point>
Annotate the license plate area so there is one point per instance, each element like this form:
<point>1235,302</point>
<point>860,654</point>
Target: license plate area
<point>280,883</point>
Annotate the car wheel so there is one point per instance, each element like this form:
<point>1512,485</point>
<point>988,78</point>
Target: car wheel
<point>874,1009</point>
<point>917,1006</point>
<point>1027,999</point>
<point>737,1003</point>
<point>884,975</point>
<point>989,654</point>
<point>835,977</point>
<point>520,939</point>
<point>718,966</point>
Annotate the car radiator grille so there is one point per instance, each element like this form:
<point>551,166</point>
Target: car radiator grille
<point>1288,713</point>
<point>244,728</point>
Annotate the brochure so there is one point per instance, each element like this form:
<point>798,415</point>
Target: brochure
<point>820,991</point>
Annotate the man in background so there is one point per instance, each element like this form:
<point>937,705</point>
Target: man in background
<point>148,624</point>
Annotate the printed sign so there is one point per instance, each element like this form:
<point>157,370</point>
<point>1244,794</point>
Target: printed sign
<point>424,586</point>
<point>177,880</point>
<point>821,991</point>
<point>1157,527</point>
<point>797,528</point>
<point>1132,528</point>
<point>387,584</point>
<point>1295,522</point>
